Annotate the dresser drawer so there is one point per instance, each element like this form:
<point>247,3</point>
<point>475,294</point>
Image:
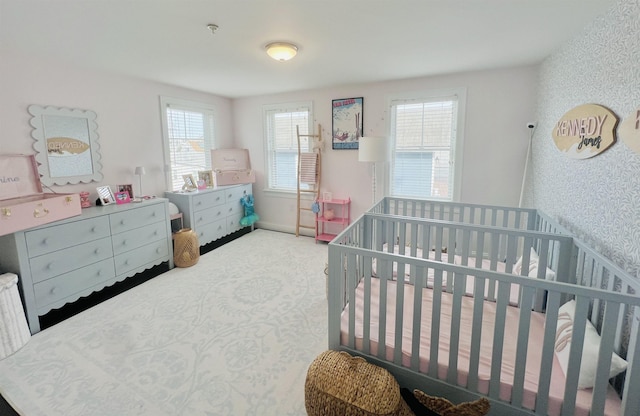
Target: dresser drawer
<point>208,200</point>
<point>60,287</point>
<point>233,223</point>
<point>233,208</point>
<point>212,231</point>
<point>133,259</point>
<point>139,237</point>
<point>62,261</point>
<point>236,193</point>
<point>54,238</point>
<point>125,221</point>
<point>207,216</point>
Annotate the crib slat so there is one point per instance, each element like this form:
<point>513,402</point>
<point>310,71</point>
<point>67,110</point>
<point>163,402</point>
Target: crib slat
<point>382,320</point>
<point>551,318</point>
<point>575,356</point>
<point>524,324</point>
<point>420,283</point>
<point>366,321</point>
<point>498,339</point>
<point>435,324</point>
<point>604,358</point>
<point>631,402</point>
<point>352,299</point>
<point>397,343</point>
<point>476,333</point>
<point>454,337</point>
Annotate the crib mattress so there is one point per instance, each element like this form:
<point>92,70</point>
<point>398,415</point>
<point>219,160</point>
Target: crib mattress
<point>484,372</point>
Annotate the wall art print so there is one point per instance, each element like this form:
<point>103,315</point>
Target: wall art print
<point>346,122</point>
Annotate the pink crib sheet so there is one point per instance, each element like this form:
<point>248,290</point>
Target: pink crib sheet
<point>484,372</point>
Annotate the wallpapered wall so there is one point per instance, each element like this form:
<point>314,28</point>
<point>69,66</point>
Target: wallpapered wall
<point>596,198</point>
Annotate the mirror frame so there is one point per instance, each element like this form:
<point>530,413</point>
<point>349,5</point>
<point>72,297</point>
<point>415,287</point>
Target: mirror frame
<point>40,146</point>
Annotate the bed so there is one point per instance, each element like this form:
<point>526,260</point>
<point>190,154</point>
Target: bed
<point>457,311</point>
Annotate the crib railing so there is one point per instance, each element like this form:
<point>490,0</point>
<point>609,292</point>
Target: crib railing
<point>350,267</point>
<point>605,294</point>
<point>477,214</point>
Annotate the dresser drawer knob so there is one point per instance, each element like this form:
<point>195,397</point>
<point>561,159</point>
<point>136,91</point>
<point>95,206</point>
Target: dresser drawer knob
<point>126,262</point>
<point>155,232</point>
<point>54,290</point>
<point>93,229</point>
<point>45,241</point>
<point>96,251</point>
<point>50,265</point>
<point>99,273</point>
<point>124,242</point>
<point>158,250</point>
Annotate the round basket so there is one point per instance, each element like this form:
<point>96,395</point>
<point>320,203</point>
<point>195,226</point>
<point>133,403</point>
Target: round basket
<point>186,249</point>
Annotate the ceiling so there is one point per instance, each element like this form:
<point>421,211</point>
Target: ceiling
<point>341,42</point>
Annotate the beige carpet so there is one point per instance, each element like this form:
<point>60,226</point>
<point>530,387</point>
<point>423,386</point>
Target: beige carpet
<point>232,335</point>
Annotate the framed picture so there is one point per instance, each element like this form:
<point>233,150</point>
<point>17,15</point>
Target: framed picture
<point>202,184</point>
<point>123,197</point>
<point>128,188</point>
<point>346,122</point>
<point>106,195</point>
<point>207,177</point>
<point>189,183</point>
<point>327,196</point>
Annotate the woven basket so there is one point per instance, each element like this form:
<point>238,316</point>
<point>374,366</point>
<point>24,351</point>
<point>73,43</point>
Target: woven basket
<point>341,385</point>
<point>186,249</point>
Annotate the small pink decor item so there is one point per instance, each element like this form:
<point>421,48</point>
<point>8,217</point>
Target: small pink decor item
<point>329,214</point>
<point>85,202</point>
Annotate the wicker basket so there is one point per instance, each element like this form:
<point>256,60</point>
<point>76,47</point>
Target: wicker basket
<point>186,249</point>
<point>341,385</point>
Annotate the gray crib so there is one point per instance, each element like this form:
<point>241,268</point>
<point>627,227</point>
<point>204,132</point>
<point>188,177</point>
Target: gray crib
<point>463,300</point>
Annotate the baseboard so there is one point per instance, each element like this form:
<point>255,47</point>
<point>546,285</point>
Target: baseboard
<point>284,229</point>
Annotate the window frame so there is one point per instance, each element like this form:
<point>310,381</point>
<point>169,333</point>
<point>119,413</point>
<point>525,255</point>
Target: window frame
<point>457,148</point>
<point>189,105</point>
<point>267,110</point>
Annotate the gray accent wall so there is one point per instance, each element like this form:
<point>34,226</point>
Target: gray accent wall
<point>596,198</point>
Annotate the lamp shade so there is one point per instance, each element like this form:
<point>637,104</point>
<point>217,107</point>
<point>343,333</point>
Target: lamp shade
<point>140,170</point>
<point>281,51</point>
<point>372,149</point>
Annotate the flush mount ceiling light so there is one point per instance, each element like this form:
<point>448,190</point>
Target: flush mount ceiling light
<point>281,51</point>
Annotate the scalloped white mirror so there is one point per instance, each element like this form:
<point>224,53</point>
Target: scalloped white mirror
<point>67,149</point>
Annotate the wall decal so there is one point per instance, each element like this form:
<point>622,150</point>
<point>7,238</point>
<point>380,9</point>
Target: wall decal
<point>585,131</point>
<point>629,130</point>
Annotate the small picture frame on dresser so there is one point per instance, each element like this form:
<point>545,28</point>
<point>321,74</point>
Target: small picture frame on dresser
<point>122,197</point>
<point>207,177</point>
<point>128,188</point>
<point>190,183</point>
<point>105,194</point>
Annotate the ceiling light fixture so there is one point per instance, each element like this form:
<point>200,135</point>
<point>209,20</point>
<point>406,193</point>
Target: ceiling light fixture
<point>212,27</point>
<point>281,51</point>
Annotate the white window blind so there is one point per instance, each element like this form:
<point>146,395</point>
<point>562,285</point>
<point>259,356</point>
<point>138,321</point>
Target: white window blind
<point>424,134</point>
<point>282,143</point>
<point>189,138</point>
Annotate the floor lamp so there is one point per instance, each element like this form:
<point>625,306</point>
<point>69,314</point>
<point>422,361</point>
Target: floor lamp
<point>374,150</point>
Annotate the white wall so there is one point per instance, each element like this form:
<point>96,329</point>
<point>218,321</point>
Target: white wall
<point>128,116</point>
<point>499,104</point>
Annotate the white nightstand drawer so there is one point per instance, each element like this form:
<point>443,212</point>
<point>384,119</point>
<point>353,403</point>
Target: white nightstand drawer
<point>54,238</point>
<point>57,288</point>
<point>139,237</point>
<point>62,261</point>
<point>141,256</point>
<point>139,217</point>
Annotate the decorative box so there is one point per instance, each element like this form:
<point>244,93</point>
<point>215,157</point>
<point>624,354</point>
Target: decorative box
<point>22,203</point>
<point>231,167</point>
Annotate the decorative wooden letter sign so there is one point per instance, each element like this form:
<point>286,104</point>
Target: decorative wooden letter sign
<point>630,131</point>
<point>585,131</point>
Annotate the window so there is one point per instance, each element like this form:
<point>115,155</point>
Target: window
<point>426,144</point>
<point>188,134</point>
<point>280,123</point>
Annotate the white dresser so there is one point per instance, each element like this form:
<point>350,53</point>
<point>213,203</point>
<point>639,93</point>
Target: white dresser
<point>59,262</point>
<point>211,213</point>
